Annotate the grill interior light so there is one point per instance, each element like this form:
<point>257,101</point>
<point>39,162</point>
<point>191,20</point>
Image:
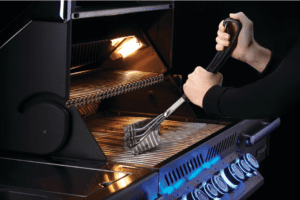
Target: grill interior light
<point>128,46</point>
<point>117,41</point>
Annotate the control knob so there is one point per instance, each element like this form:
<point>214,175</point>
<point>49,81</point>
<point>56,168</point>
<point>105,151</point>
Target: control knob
<point>251,161</point>
<point>219,184</point>
<point>195,195</point>
<point>210,190</point>
<point>232,175</point>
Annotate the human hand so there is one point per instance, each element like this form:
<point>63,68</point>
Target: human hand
<point>247,49</point>
<point>198,83</point>
<point>245,41</point>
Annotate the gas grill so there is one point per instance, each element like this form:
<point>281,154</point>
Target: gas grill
<point>80,72</point>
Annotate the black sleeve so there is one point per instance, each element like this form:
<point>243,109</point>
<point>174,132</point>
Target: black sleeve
<point>268,97</point>
<point>273,63</point>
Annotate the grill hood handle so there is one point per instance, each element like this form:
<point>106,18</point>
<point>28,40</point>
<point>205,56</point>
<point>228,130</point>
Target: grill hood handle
<point>221,57</point>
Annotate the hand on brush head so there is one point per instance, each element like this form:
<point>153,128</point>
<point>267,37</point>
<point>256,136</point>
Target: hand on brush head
<point>198,83</point>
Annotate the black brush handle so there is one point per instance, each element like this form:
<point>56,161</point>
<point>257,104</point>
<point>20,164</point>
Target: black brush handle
<point>221,57</point>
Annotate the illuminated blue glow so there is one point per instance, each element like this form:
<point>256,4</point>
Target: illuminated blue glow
<point>206,165</point>
<point>195,173</point>
<point>179,183</point>
<point>170,189</point>
<point>167,190</point>
<point>215,160</point>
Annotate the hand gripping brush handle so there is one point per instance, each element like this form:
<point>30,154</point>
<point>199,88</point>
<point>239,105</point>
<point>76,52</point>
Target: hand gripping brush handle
<point>216,64</point>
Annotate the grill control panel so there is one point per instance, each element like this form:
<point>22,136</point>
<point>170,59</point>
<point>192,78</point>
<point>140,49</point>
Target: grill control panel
<point>225,181</point>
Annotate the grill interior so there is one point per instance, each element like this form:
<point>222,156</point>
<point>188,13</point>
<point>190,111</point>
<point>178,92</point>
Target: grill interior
<point>99,72</point>
<point>96,85</point>
<point>175,137</point>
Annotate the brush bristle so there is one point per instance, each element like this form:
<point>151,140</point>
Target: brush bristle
<point>150,142</point>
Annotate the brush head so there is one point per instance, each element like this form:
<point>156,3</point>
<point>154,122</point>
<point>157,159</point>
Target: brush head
<point>131,138</point>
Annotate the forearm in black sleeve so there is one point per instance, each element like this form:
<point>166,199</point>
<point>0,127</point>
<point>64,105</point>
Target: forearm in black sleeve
<point>273,63</point>
<point>268,97</point>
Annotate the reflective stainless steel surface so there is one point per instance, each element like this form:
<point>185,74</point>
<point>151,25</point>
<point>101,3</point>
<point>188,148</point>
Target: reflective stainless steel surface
<point>95,85</point>
<point>64,179</point>
<point>174,137</point>
<point>112,12</point>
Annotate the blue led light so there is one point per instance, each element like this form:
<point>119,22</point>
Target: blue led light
<point>165,189</point>
<point>195,173</point>
<point>179,183</point>
<point>247,142</point>
<point>215,160</point>
<point>206,165</point>
<point>169,189</point>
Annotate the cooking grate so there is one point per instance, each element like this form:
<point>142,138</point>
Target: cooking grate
<point>175,137</point>
<point>95,85</point>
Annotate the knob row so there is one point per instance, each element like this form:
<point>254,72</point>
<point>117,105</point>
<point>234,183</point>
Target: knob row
<point>226,180</point>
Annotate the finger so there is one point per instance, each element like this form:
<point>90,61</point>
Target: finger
<point>222,42</point>
<point>219,75</point>
<point>240,16</point>
<point>219,47</point>
<point>223,36</point>
<point>221,27</point>
<point>188,83</point>
<point>199,70</point>
<point>184,88</point>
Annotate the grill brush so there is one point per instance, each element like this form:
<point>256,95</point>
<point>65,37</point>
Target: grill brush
<point>144,135</point>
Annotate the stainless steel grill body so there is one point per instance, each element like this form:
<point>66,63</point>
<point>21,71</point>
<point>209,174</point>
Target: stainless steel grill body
<point>71,94</point>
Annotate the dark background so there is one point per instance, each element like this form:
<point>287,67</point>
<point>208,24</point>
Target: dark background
<point>276,26</point>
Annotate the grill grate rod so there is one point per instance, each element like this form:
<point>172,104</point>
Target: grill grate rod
<point>175,137</point>
<point>95,85</point>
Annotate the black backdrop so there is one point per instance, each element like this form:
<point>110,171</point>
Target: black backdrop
<point>277,26</point>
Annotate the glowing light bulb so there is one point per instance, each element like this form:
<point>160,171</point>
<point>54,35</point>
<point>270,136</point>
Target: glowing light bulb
<point>117,41</point>
<point>129,46</point>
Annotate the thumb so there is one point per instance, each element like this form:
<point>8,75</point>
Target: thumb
<point>234,15</point>
<point>239,16</point>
